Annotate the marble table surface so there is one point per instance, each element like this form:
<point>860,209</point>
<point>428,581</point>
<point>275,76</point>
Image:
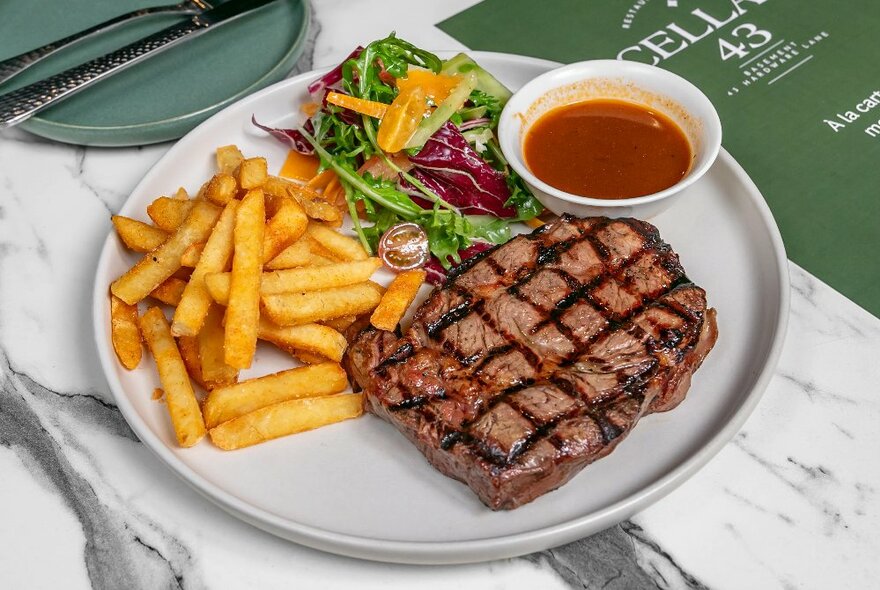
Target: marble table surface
<point>790,502</point>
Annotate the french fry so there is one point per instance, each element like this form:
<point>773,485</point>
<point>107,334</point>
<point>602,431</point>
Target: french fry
<point>290,309</point>
<point>340,324</point>
<point>321,254</point>
<point>162,262</point>
<point>181,194</point>
<point>308,358</point>
<point>169,291</point>
<point>284,228</point>
<point>196,300</point>
<point>137,235</point>
<point>158,394</point>
<point>297,254</point>
<point>186,417</point>
<point>251,173</point>
<point>125,333</point>
<point>243,311</point>
<point>313,338</point>
<point>191,255</point>
<point>168,213</point>
<point>397,299</point>
<point>215,372</point>
<point>228,158</point>
<point>286,418</point>
<point>318,260</point>
<point>226,403</point>
<point>221,189</point>
<point>340,246</point>
<point>189,352</point>
<point>299,280</point>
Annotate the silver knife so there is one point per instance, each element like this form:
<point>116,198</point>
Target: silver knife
<point>15,65</point>
<point>19,105</point>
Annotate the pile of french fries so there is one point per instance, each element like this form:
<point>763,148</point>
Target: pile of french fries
<point>251,257</point>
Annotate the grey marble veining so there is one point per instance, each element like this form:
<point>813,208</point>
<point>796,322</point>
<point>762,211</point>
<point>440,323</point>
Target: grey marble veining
<point>123,549</point>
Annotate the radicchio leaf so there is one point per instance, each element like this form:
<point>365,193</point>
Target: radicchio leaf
<point>474,123</point>
<point>333,76</point>
<point>437,274</point>
<point>460,176</point>
<point>291,137</point>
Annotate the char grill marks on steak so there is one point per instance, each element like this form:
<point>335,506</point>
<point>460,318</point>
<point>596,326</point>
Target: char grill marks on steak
<point>539,356</point>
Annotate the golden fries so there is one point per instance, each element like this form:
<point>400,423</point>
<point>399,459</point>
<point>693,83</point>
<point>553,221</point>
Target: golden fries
<point>285,418</point>
<point>397,299</point>
<point>186,417</point>
<point>251,257</point>
<point>297,254</point>
<point>340,324</point>
<point>243,312</point>
<point>299,280</point>
<point>161,263</point>
<point>313,338</point>
<point>251,173</point>
<point>228,158</point>
<point>169,291</point>
<point>215,372</point>
<point>191,255</point>
<point>340,246</point>
<point>226,403</point>
<point>124,332</point>
<point>137,235</point>
<point>287,225</point>
<point>168,213</point>
<point>189,352</point>
<point>308,358</point>
<point>221,189</point>
<point>195,301</point>
<point>290,309</point>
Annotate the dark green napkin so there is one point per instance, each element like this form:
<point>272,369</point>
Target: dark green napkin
<point>797,85</point>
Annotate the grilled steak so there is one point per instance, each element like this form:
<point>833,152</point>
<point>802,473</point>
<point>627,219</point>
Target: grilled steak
<point>538,357</point>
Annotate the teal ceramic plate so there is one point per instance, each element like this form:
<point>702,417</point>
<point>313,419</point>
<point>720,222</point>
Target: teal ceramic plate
<point>165,96</point>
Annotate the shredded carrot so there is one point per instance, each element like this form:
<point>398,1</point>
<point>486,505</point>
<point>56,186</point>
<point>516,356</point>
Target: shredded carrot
<point>322,179</point>
<point>310,108</point>
<point>370,108</point>
<point>534,223</point>
<point>299,166</point>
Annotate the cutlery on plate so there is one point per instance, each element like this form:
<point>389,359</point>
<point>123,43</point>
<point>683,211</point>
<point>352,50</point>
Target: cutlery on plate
<point>15,65</point>
<point>19,105</point>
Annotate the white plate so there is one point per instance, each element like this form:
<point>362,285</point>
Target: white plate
<point>359,488</point>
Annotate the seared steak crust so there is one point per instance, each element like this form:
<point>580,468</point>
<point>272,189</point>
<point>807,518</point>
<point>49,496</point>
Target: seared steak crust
<point>539,356</point>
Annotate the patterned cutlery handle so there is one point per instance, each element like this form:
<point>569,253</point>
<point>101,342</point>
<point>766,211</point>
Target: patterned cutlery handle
<point>16,65</point>
<point>21,104</point>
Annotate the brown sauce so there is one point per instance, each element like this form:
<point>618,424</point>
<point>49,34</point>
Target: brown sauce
<point>607,149</point>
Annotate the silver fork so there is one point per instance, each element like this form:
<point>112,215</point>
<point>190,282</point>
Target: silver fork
<point>16,65</point>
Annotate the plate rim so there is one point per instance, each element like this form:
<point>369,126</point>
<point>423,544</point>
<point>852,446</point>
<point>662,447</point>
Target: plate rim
<point>42,127</point>
<point>473,550</point>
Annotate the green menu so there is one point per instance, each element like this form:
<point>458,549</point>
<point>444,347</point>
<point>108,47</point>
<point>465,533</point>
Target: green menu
<point>796,83</point>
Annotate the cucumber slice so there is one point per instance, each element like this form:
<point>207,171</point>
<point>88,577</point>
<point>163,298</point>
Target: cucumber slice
<point>462,64</point>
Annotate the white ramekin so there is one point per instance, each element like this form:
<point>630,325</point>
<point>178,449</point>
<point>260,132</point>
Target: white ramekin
<point>650,86</point>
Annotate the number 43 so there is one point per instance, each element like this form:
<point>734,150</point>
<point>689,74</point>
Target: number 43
<point>752,35</point>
